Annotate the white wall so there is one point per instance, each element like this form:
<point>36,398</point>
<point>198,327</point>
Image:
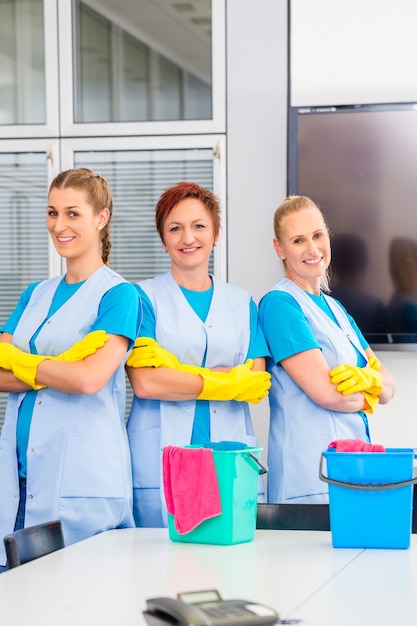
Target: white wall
<point>256,142</point>
<point>353,51</point>
<point>256,137</point>
<point>256,147</point>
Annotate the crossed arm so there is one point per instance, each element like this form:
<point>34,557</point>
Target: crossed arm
<point>310,372</point>
<point>165,383</point>
<point>86,376</point>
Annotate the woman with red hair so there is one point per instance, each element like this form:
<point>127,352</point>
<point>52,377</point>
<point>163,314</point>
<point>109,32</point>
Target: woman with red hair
<point>200,357</point>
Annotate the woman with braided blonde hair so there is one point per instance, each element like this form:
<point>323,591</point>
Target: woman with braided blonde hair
<point>64,451</point>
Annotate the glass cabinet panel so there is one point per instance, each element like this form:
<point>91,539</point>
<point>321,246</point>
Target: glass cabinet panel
<point>22,63</point>
<point>25,239</point>
<point>142,61</point>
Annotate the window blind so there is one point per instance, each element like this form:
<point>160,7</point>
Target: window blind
<point>137,179</point>
<point>24,237</point>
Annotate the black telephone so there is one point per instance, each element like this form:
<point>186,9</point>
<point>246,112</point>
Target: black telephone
<point>207,608</point>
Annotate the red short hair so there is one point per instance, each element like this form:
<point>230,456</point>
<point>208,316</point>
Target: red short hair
<point>172,196</point>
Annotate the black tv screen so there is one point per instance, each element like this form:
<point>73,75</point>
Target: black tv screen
<point>359,164</point>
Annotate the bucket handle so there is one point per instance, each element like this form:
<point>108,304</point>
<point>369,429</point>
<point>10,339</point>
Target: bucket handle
<point>262,467</point>
<point>364,486</point>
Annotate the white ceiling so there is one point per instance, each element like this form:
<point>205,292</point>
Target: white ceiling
<point>180,30</point>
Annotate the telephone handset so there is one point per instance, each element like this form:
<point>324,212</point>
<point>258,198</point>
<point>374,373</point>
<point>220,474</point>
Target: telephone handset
<point>207,608</point>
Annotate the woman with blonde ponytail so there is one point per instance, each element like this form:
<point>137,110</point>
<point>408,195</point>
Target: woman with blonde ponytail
<point>64,444</point>
<point>325,377</point>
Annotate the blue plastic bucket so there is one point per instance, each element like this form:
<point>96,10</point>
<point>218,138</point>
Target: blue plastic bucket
<point>370,497</point>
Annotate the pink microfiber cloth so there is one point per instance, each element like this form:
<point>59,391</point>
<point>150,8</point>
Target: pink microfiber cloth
<point>190,485</point>
<point>355,445</point>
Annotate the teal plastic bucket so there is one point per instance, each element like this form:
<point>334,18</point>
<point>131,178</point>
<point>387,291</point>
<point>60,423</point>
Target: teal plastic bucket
<point>370,497</point>
<point>238,478</point>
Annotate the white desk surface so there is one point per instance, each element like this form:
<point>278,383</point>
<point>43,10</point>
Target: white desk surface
<point>105,580</point>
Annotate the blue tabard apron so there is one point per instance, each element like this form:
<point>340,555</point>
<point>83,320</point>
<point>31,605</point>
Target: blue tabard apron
<point>153,424</point>
<point>300,429</point>
<point>78,459</point>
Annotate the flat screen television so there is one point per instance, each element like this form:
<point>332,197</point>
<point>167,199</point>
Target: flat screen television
<point>359,164</point>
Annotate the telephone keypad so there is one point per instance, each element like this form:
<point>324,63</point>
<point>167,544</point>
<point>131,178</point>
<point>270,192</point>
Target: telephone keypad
<point>223,611</point>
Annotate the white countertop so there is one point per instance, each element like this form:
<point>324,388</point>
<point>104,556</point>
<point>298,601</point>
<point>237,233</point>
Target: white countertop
<point>106,580</point>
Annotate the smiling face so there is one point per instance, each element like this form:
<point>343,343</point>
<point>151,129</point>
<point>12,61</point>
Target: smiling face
<point>73,224</point>
<point>304,246</point>
<point>188,235</point>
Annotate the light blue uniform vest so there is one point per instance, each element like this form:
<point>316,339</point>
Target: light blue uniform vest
<point>154,424</point>
<point>78,460</point>
<point>300,429</point>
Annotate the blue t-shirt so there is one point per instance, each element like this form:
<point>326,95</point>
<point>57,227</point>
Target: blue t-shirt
<point>200,303</point>
<point>287,328</point>
<point>288,331</point>
<point>117,315</point>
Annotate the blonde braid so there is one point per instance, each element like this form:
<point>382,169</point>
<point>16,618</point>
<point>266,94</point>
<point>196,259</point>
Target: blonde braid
<point>105,244</point>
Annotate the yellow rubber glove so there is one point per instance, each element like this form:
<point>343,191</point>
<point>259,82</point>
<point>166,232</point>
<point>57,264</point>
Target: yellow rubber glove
<point>84,347</point>
<point>25,365</point>
<point>148,353</point>
<point>350,379</point>
<point>239,384</point>
<point>371,402</point>
<point>374,363</point>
